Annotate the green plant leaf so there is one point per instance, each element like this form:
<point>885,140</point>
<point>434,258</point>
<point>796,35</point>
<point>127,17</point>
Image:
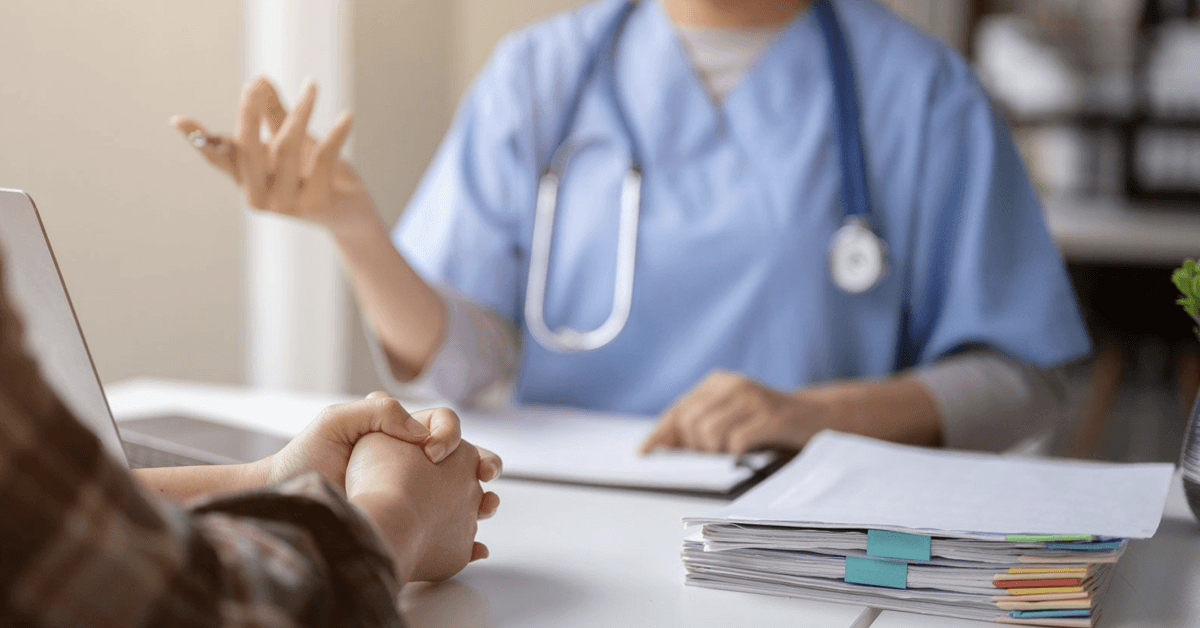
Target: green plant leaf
<point>1187,281</point>
<point>1181,279</point>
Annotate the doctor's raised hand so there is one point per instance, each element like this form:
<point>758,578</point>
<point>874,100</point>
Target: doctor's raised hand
<point>293,174</point>
<point>290,173</point>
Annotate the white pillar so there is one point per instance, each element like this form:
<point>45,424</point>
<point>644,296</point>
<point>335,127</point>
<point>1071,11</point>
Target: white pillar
<point>295,294</point>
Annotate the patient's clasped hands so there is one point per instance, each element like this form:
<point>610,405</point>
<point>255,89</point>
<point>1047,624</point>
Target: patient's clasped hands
<point>411,474</point>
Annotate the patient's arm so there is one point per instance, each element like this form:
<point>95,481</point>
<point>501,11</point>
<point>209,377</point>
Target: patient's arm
<point>324,446</point>
<point>183,483</point>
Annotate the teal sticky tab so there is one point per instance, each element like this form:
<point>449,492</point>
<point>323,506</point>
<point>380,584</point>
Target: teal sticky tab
<point>888,544</point>
<point>1042,538</point>
<point>877,571</point>
<point>1087,547</point>
<point>1080,612</point>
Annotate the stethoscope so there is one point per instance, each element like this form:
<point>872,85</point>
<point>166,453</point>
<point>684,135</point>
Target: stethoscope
<point>857,257</point>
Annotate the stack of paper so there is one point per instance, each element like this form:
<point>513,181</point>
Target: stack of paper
<point>975,536</point>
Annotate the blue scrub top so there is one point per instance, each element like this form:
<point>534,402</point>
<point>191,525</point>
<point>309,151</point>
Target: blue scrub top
<point>739,203</point>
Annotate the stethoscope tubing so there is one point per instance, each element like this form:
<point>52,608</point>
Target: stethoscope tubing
<point>847,246</point>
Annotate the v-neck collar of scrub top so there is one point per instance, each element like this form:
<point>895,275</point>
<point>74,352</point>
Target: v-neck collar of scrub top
<point>671,112</point>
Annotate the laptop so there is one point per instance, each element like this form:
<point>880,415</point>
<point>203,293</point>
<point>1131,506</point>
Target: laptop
<point>54,337</point>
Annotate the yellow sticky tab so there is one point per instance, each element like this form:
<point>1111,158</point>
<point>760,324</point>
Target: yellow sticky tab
<point>1038,590</point>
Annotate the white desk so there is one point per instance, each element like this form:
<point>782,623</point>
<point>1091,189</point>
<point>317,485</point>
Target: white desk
<point>565,556</point>
<point>561,556</point>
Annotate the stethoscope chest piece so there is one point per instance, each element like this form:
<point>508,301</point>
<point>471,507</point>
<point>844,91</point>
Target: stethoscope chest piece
<point>857,257</point>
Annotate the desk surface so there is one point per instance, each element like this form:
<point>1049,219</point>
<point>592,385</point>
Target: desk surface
<point>573,556</point>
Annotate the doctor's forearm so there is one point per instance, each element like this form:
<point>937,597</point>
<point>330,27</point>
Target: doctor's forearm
<point>408,313</point>
<point>898,409</point>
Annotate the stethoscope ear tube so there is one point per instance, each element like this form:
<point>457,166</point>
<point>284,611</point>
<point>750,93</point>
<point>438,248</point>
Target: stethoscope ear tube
<point>566,339</point>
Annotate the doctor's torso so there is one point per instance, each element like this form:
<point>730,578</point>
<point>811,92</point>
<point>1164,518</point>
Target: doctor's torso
<point>739,202</point>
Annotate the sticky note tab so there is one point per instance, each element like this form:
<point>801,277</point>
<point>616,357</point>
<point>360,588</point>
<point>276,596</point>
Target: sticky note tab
<point>902,545</point>
<point>1087,547</point>
<point>1043,538</point>
<point>1044,590</point>
<point>1047,614</point>
<point>877,571</point>
<point>1028,570</point>
<point>1030,584</point>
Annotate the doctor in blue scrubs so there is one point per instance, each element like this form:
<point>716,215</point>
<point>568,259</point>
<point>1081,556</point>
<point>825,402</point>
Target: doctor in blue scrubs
<point>753,219</point>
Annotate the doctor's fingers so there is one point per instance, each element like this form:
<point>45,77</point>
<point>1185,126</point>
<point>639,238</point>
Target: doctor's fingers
<point>712,430</point>
<point>286,152</point>
<point>319,172</point>
<point>445,432</point>
<point>749,435</point>
<point>708,403</point>
<point>259,101</point>
<point>669,433</point>
<point>663,436</point>
<point>219,151</point>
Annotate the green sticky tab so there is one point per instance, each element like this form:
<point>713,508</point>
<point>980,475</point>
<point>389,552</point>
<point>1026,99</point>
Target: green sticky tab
<point>877,572</point>
<point>888,544</point>
<point>1044,538</point>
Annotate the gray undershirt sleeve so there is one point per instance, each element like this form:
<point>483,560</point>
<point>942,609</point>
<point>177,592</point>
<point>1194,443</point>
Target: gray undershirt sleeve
<point>989,401</point>
<point>475,366</point>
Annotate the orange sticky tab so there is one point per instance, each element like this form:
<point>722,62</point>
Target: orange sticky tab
<point>1038,590</point>
<point>1048,582</point>
<point>1047,570</point>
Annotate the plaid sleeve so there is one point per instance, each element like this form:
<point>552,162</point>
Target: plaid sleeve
<point>82,545</point>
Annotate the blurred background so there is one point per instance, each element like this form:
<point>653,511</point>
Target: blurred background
<point>172,279</point>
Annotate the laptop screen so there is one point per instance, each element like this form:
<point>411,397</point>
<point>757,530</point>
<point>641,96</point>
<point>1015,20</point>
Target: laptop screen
<point>52,332</point>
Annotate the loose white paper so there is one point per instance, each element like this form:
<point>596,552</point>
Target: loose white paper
<point>848,481</point>
<point>570,445</point>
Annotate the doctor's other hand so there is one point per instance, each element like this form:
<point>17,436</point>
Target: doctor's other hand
<point>428,513</point>
<point>730,413</point>
<point>290,173</point>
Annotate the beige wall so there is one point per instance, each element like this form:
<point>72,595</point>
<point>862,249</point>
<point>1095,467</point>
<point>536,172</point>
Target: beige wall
<point>403,102</point>
<point>479,24</point>
<point>149,243</point>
